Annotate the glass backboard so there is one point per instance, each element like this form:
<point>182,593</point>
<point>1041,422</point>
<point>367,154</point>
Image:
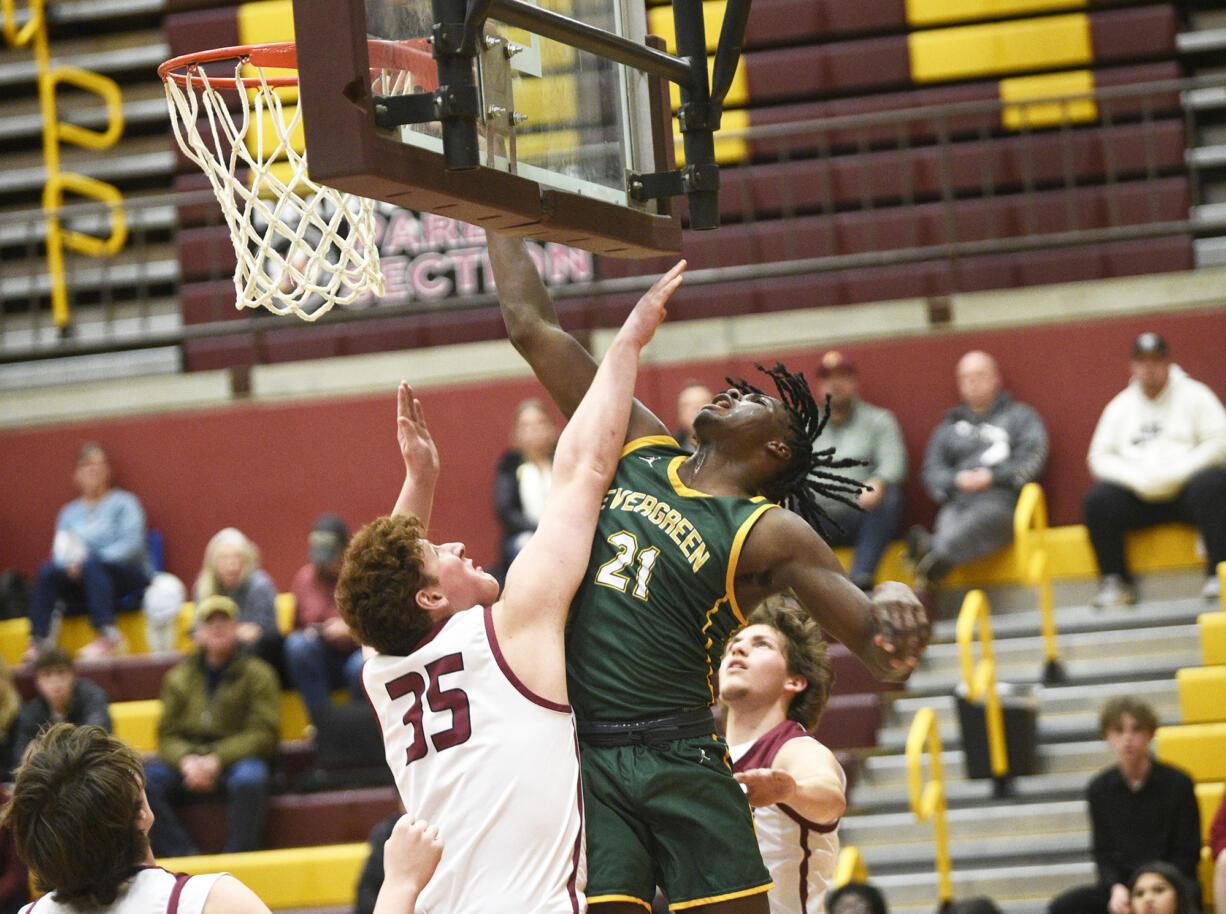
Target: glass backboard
<point>559,129</point>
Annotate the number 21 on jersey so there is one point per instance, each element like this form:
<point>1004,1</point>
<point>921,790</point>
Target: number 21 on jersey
<point>629,560</point>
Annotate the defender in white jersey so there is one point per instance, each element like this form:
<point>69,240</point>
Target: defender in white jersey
<point>774,682</point>
<point>470,687</point>
<point>80,821</point>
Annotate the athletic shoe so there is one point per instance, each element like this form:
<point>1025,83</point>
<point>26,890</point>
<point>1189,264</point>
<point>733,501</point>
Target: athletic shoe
<point>102,646</point>
<point>1114,591</point>
<point>1213,588</point>
<point>918,542</point>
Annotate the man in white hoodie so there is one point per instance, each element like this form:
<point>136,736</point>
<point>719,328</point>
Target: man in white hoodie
<point>1159,455</point>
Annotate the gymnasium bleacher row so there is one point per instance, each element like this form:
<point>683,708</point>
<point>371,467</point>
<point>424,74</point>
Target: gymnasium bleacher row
<point>902,129</point>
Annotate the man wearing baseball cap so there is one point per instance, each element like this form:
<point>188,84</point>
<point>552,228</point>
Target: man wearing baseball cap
<point>1158,455</point>
<point>220,718</point>
<point>871,434</point>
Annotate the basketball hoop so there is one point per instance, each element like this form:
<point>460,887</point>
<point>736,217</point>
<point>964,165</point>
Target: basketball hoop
<point>301,247</point>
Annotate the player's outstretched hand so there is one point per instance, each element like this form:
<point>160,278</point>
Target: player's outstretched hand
<point>764,786</point>
<point>649,312</point>
<point>416,446</point>
<point>411,853</point>
<point>900,631</point>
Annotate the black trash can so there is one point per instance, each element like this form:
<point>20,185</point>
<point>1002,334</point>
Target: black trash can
<point>1020,719</point>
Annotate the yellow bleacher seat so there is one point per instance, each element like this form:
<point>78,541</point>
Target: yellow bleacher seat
<point>136,722</point>
<point>1212,637</point>
<point>1202,693</point>
<point>1199,749</point>
<point>1208,797</point>
<point>1158,548</point>
<point>300,877</point>
<point>76,632</point>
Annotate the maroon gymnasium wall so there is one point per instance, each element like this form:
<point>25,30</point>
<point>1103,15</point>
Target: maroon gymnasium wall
<point>271,468</point>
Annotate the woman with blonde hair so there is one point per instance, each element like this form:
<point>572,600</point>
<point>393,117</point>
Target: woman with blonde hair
<point>232,569</point>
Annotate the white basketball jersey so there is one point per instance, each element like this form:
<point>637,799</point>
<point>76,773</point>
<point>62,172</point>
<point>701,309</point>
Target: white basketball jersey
<point>799,854</point>
<point>494,766</point>
<point>151,891</point>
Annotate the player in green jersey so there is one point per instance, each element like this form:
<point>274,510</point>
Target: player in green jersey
<point>685,546</point>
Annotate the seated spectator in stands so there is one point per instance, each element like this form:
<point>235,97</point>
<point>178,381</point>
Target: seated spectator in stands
<point>219,727</point>
<point>774,682</point>
<point>1217,847</point>
<point>1159,888</point>
<point>522,478</point>
<point>80,821</point>
<point>99,558</point>
<point>14,874</point>
<point>1158,455</point>
<point>62,697</point>
<point>1141,810</point>
<point>320,654</point>
<point>10,708</point>
<point>856,898</point>
<point>691,398</point>
<point>870,434</point>
<point>232,569</point>
<point>978,459</point>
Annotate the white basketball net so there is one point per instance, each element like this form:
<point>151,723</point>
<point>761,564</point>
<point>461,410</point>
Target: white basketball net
<point>301,247</point>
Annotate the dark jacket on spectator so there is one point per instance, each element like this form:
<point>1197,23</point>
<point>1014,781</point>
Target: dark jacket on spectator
<point>89,705</point>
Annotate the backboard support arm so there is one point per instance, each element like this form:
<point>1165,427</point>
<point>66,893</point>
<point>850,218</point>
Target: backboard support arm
<point>455,36</point>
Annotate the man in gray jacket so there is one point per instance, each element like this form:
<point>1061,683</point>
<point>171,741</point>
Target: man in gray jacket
<point>871,434</point>
<point>977,461</point>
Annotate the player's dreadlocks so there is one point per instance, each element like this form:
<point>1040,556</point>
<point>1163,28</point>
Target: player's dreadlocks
<point>808,476</point>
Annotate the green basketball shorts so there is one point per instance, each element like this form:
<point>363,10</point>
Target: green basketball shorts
<point>669,815</point>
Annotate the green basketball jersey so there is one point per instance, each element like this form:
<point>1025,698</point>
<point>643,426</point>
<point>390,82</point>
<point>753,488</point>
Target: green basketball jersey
<point>649,622</point>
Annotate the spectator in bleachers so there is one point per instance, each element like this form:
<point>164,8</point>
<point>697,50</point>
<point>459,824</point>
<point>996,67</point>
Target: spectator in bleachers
<point>521,481</point>
<point>856,898</point>
<point>978,459</point>
<point>1141,810</point>
<point>691,398</point>
<point>81,822</point>
<point>232,569</point>
<point>1159,888</point>
<point>774,682</point>
<point>62,697</point>
<point>1158,455</point>
<point>320,653</point>
<point>99,558</point>
<point>219,727</point>
<point>1217,847</point>
<point>10,708</point>
<point>870,434</point>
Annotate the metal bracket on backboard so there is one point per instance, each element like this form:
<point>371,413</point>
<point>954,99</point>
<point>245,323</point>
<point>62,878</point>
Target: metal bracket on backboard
<point>498,114</point>
<point>688,180</point>
<point>393,111</point>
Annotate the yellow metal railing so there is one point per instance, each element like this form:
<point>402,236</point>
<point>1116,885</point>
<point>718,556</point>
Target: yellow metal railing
<point>850,867</point>
<point>55,131</point>
<point>1030,546</point>
<point>1221,576</point>
<point>979,677</point>
<point>928,800</point>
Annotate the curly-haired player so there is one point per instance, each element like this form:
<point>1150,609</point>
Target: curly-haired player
<point>682,543</point>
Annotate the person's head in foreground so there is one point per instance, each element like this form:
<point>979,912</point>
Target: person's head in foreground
<point>79,816</point>
<point>856,898</point>
<point>1159,888</point>
<point>780,653</point>
<point>395,585</point>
